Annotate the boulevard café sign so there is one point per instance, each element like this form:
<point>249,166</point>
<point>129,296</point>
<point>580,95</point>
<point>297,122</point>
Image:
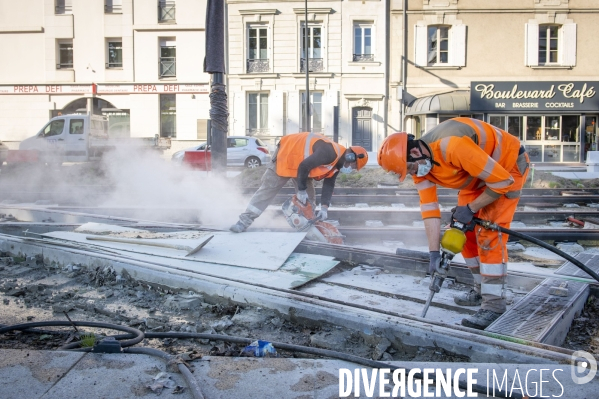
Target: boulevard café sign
<point>534,96</point>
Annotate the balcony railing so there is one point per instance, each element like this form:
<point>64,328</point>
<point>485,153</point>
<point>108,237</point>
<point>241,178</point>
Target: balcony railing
<point>113,9</point>
<point>65,65</point>
<point>63,9</point>
<point>314,64</point>
<point>168,67</point>
<point>114,65</point>
<point>257,132</point>
<point>363,57</point>
<point>166,12</point>
<point>258,65</point>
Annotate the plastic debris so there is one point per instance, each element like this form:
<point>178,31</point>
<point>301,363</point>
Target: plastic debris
<point>259,349</point>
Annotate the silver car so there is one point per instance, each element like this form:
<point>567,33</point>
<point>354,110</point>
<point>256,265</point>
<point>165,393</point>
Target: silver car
<point>247,151</point>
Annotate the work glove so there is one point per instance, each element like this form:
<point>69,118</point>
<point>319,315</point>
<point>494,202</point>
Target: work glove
<point>462,214</point>
<point>322,213</point>
<point>435,262</point>
<point>302,196</point>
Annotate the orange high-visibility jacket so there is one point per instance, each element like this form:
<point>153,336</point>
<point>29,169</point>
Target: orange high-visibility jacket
<point>294,148</point>
<point>471,154</point>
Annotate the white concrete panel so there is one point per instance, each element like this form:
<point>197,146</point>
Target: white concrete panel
<point>190,57</point>
<point>293,112</point>
<point>88,49</point>
<point>275,112</point>
<point>237,119</point>
<point>146,52</point>
<point>145,115</point>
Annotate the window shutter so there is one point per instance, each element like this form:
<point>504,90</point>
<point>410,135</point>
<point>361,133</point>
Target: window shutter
<point>531,47</point>
<point>420,45</point>
<point>275,113</point>
<point>457,53</point>
<point>293,113</point>
<point>239,112</point>
<point>328,107</point>
<point>569,45</point>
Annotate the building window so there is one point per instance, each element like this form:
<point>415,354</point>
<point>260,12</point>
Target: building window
<point>166,11</point>
<point>315,112</point>
<point>438,45</point>
<point>65,55</point>
<point>115,54</point>
<point>113,6</point>
<point>257,113</point>
<point>168,58</point>
<point>63,7</point>
<point>363,50</point>
<point>257,50</point>
<point>314,53</point>
<point>548,44</point>
<point>168,115</point>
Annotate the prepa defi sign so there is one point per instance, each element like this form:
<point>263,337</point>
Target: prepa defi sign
<point>534,96</point>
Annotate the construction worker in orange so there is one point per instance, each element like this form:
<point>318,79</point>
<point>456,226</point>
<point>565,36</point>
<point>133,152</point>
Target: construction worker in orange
<point>489,167</point>
<point>303,157</point>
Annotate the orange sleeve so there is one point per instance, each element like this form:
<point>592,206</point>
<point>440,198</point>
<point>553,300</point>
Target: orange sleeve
<point>429,202</point>
<point>464,154</point>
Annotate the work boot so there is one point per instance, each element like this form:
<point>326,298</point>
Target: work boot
<point>238,227</point>
<point>481,319</point>
<point>471,298</point>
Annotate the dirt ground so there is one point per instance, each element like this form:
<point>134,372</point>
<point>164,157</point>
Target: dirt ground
<point>31,291</point>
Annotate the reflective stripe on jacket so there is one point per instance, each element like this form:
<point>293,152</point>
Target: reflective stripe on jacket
<point>294,148</point>
<point>470,154</point>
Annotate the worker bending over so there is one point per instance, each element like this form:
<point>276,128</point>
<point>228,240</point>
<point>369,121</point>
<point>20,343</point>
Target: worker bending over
<point>303,157</point>
<point>489,167</point>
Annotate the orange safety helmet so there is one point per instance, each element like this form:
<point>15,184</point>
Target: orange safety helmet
<point>361,156</point>
<point>393,154</point>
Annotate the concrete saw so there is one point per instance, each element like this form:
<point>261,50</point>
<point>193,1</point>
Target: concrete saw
<point>302,218</point>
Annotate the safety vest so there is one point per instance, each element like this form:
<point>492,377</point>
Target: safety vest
<point>469,155</point>
<point>294,148</point>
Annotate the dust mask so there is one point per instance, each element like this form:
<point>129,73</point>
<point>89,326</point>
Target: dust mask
<point>424,168</point>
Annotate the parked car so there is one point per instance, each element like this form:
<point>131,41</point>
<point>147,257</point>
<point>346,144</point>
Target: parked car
<point>250,152</point>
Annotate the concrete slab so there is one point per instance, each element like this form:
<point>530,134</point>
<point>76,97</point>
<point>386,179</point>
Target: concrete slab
<point>302,378</point>
<point>30,374</point>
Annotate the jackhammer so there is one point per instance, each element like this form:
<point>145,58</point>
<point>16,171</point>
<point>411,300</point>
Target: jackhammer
<point>453,241</point>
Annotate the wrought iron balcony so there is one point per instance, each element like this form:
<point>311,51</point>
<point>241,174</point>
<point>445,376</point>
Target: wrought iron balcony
<point>65,65</point>
<point>63,9</point>
<point>363,57</point>
<point>114,65</point>
<point>113,9</point>
<point>166,11</point>
<point>314,64</point>
<point>257,132</point>
<point>258,65</point>
<point>168,67</point>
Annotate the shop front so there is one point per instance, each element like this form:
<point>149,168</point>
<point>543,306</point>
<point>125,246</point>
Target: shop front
<point>556,121</point>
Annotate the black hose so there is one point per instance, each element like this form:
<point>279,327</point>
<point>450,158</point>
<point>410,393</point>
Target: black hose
<point>138,335</point>
<point>191,381</point>
<point>324,353</point>
<point>493,226</point>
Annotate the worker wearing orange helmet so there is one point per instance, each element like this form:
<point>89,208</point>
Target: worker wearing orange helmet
<point>303,157</point>
<point>489,167</point>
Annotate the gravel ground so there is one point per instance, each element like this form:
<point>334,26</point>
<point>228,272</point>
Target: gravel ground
<point>31,292</point>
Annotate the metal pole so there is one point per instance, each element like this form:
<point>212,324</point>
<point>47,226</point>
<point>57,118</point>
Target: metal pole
<point>404,67</point>
<point>306,65</point>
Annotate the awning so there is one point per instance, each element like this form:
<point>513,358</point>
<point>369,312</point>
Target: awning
<point>455,102</point>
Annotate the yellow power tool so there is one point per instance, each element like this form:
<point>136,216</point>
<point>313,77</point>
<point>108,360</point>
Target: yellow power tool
<point>452,243</point>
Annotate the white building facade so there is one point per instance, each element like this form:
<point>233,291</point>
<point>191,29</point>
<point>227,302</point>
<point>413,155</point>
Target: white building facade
<point>139,62</point>
<point>346,60</point>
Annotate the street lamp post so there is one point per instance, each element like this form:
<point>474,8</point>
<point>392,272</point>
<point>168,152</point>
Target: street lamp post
<point>307,66</point>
